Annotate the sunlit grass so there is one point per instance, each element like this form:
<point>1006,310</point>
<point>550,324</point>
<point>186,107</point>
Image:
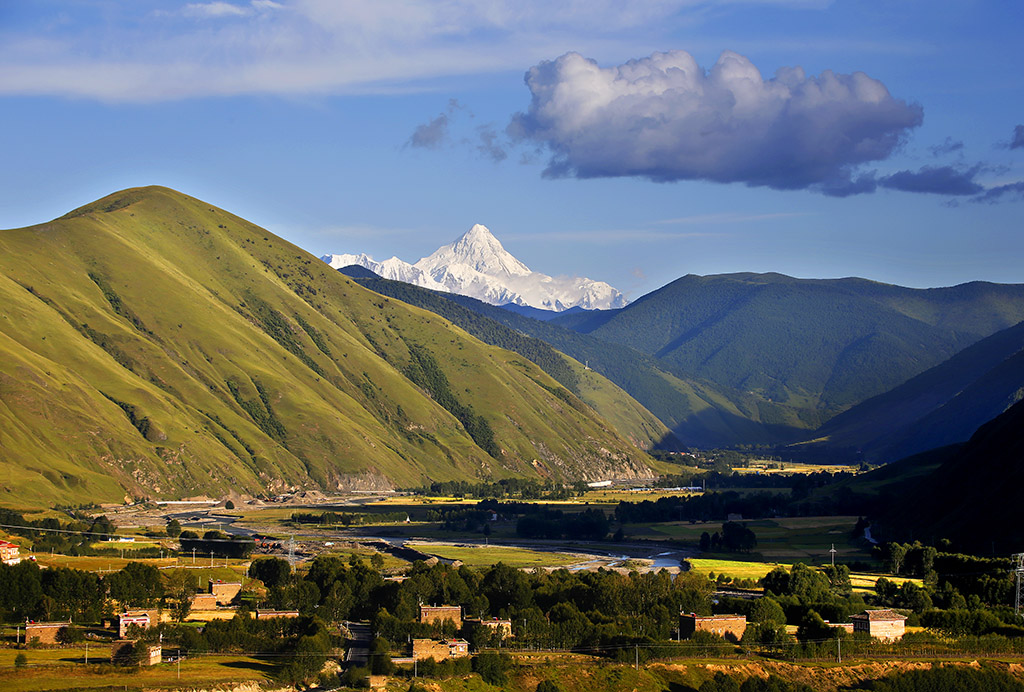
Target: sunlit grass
<point>484,556</point>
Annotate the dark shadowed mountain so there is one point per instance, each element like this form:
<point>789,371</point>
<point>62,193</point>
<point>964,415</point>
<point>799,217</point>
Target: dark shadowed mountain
<point>943,405</point>
<point>972,498</point>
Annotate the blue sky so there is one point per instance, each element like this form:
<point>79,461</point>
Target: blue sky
<point>627,142</point>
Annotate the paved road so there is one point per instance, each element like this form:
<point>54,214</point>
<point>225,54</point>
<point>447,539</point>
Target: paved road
<point>359,646</point>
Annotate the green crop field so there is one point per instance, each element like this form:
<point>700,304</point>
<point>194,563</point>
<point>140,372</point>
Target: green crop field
<point>789,539</point>
<point>64,668</point>
<point>484,556</point>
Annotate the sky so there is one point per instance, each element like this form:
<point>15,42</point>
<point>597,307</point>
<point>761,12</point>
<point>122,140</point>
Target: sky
<point>628,142</point>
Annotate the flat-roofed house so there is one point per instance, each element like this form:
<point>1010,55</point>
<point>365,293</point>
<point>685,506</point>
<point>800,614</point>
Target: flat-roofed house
<point>422,649</point>
<point>887,625</point>
<point>438,614</point>
<point>9,553</point>
<point>724,625</point>
<point>125,620</point>
<point>43,632</point>
<point>225,591</point>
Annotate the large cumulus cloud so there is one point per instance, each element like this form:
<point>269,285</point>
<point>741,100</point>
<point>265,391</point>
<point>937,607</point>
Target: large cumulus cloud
<point>665,118</point>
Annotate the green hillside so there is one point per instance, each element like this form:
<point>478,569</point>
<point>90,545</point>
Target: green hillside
<point>941,406</point>
<point>154,346</point>
<point>628,417</point>
<point>816,345</point>
<point>697,412</point>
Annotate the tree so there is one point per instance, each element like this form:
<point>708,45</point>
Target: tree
<point>229,505</point>
<point>737,538</point>
<point>380,657</point>
<point>137,585</point>
<point>720,683</point>
<point>272,571</point>
<point>896,553</point>
<point>767,610</point>
<point>548,686</point>
<point>173,528</point>
<point>492,667</point>
<point>70,634</point>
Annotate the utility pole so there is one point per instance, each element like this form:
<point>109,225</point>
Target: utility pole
<point>211,558</point>
<point>193,556</point>
<point>86,652</point>
<point>839,650</point>
<point>833,551</point>
<point>1018,572</point>
<point>636,654</point>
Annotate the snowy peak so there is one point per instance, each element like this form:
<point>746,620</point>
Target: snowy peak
<point>477,249</point>
<point>477,265</point>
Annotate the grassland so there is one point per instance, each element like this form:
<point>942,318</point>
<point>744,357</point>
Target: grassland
<point>64,668</point>
<point>791,539</point>
<point>196,353</point>
<point>487,555</point>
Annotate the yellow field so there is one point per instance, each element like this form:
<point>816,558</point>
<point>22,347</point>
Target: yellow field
<point>739,569</point>
<point>736,569</point>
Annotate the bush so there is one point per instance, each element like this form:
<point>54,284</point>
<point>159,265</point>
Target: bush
<point>356,677</point>
<point>493,668</point>
<point>21,660</point>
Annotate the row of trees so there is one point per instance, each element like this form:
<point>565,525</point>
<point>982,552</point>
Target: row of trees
<point>26,591</point>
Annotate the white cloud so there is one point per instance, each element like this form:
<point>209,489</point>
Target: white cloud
<point>214,9</point>
<point>218,8</point>
<point>130,52</point>
<point>665,118</point>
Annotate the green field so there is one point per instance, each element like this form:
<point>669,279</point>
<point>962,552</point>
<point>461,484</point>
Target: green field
<point>790,539</point>
<point>485,556</point>
<point>64,668</point>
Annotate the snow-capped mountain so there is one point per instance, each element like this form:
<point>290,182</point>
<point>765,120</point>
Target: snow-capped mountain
<point>478,266</point>
<point>394,269</point>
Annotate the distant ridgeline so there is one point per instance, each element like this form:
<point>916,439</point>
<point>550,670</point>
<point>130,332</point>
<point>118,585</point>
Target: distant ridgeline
<point>766,359</point>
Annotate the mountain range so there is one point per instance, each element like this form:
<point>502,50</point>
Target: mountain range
<point>477,265</point>
<point>154,346</point>
<point>941,406</point>
<point>768,359</point>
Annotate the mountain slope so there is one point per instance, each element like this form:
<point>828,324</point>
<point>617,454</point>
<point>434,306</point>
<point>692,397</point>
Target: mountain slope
<point>817,345</point>
<point>630,419</point>
<point>477,265</point>
<point>972,498</point>
<point>941,406</point>
<point>156,346</point>
<point>697,412</point>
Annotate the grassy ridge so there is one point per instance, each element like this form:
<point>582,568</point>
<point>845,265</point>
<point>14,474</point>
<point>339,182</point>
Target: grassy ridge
<point>156,346</point>
<point>629,417</point>
<point>817,346</point>
<point>697,412</point>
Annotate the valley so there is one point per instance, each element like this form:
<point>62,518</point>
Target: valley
<point>192,406</point>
